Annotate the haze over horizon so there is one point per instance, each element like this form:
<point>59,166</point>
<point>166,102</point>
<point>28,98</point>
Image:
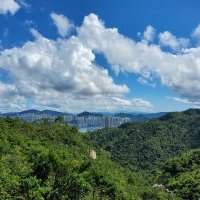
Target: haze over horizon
<point>99,56</point>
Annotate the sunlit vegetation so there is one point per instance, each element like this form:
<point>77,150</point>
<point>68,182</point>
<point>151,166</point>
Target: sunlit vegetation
<point>52,161</point>
<point>181,175</point>
<point>150,160</point>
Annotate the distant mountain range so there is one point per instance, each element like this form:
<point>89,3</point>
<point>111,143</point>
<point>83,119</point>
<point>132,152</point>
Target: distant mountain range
<point>85,120</point>
<point>141,116</point>
<point>36,112</point>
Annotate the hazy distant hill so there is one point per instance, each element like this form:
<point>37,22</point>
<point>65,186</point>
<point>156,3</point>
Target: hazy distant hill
<point>36,112</point>
<point>141,116</point>
<point>85,120</point>
<point>33,115</point>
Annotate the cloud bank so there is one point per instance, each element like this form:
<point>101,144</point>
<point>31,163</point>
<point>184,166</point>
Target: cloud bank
<point>61,74</point>
<point>180,71</point>
<point>64,74</point>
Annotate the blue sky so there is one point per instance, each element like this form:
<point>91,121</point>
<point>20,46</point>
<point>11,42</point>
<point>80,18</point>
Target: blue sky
<point>100,55</point>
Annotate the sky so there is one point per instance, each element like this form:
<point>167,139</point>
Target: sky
<point>100,56</point>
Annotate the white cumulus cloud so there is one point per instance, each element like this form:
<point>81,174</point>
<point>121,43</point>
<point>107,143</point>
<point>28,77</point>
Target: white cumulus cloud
<point>62,24</point>
<point>61,74</point>
<point>191,103</point>
<point>149,34</point>
<point>180,72</point>
<point>167,39</point>
<point>64,73</point>
<point>9,6</point>
<point>196,32</point>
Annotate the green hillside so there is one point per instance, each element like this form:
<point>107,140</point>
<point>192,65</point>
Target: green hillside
<point>52,161</point>
<point>181,175</point>
<point>147,144</point>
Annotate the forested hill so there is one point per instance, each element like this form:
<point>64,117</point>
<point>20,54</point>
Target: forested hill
<point>53,161</point>
<point>147,144</point>
<point>182,175</point>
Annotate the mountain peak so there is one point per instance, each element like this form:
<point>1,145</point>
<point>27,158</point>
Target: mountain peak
<point>192,111</point>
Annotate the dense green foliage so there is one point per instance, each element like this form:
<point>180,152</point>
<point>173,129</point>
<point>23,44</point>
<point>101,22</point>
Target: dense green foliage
<point>147,144</point>
<point>182,175</point>
<point>52,161</point>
